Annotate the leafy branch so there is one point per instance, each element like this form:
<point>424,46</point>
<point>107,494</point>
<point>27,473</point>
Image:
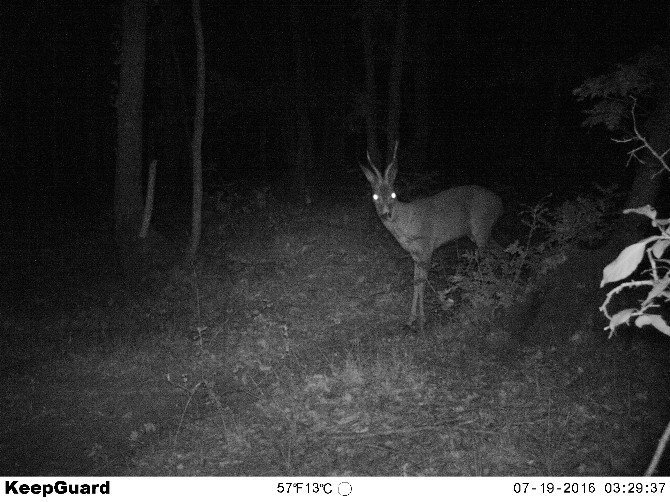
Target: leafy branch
<point>615,89</point>
<point>630,258</point>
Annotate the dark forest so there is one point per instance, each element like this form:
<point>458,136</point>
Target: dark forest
<point>217,217</point>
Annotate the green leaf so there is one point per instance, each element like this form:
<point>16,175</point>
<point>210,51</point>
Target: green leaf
<point>657,290</point>
<point>622,317</point>
<point>626,263</point>
<point>654,320</point>
<point>659,247</point>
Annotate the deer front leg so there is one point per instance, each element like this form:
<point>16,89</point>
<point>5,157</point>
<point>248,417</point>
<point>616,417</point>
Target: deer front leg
<point>420,278</point>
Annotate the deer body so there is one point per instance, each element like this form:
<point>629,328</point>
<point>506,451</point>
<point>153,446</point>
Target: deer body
<point>423,225</point>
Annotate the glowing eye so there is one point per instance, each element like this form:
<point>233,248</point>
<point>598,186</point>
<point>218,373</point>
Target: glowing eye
<point>375,196</point>
<point>393,195</point>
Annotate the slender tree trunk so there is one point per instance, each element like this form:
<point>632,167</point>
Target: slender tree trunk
<point>304,158</point>
<point>198,126</point>
<point>421,114</point>
<point>555,154</point>
<point>170,23</point>
<point>370,87</point>
<point>395,81</point>
<point>128,179</point>
<point>93,109</point>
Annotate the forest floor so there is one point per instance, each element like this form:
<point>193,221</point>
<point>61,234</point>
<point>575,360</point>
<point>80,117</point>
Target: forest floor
<point>282,351</point>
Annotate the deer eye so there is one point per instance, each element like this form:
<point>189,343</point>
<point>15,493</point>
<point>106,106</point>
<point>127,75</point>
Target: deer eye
<point>393,195</point>
<point>375,196</point>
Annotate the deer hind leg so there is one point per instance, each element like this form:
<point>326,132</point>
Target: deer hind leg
<point>420,277</point>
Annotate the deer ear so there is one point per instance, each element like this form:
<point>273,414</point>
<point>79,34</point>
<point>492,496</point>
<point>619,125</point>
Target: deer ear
<point>368,174</point>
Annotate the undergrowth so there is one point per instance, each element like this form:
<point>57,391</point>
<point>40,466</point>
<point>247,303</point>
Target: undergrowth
<point>492,281</point>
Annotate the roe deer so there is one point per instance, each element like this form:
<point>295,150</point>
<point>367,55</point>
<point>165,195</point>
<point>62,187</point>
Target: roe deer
<point>423,225</point>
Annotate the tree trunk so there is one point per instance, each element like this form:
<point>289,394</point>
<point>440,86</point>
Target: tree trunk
<point>551,129</point>
<point>198,126</point>
<point>422,110</point>
<point>128,177</point>
<point>395,81</point>
<point>370,87</point>
<point>171,25</point>
<point>304,153</point>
